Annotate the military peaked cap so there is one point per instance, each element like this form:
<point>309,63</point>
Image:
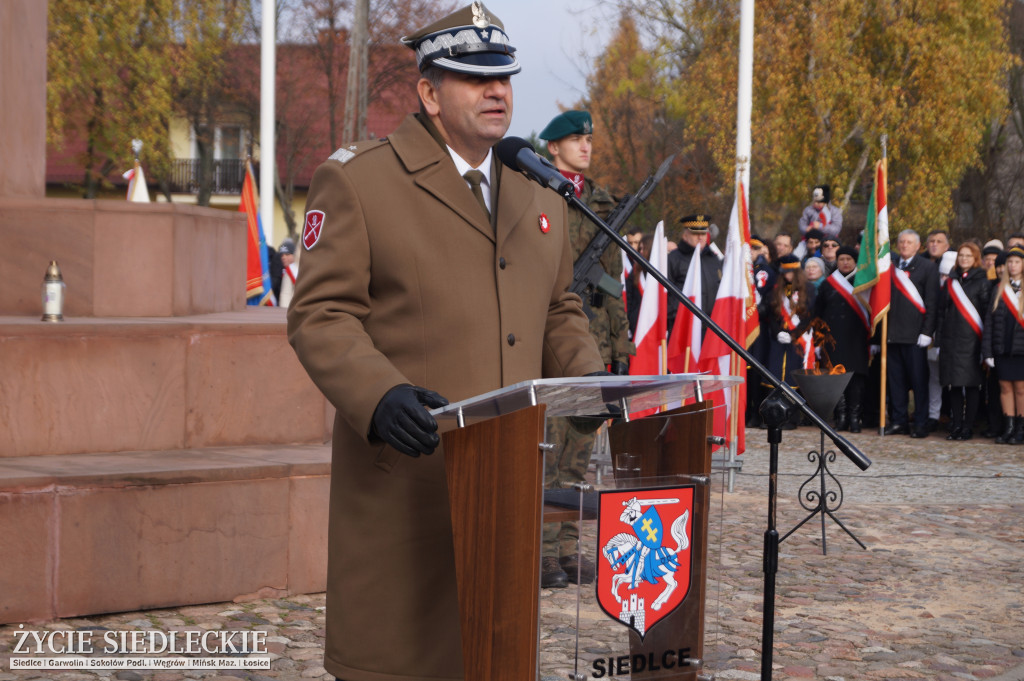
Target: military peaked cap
<point>696,223</point>
<point>471,40</point>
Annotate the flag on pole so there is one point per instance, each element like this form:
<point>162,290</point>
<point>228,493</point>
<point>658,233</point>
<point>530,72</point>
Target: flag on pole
<point>138,192</point>
<point>258,290</point>
<point>685,341</point>
<point>735,312</point>
<point>652,323</point>
<point>874,264</point>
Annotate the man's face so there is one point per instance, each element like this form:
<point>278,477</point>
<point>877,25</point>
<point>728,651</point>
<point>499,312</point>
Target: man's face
<point>634,240</point>
<point>818,205</point>
<point>572,153</point>
<point>471,112</point>
<point>287,259</point>
<point>937,245</point>
<point>1014,241</point>
<point>907,245</point>
<point>783,245</point>
<point>989,260</point>
<point>845,263</point>
<point>691,239</point>
<point>829,249</point>
<point>813,244</point>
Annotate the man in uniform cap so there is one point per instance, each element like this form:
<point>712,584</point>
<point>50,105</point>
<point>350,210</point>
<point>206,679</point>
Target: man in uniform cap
<point>821,213</point>
<point>695,233</point>
<point>428,274</point>
<point>570,137</point>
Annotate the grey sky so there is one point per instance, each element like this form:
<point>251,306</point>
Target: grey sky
<point>556,41</point>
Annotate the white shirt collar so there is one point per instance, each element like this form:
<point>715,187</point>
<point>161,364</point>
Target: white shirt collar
<point>463,167</point>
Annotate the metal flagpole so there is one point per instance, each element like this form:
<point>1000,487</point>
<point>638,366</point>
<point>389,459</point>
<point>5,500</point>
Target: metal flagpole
<point>885,325</point>
<point>268,56</point>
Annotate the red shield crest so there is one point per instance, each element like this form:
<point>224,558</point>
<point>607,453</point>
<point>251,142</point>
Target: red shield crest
<point>644,566</point>
<point>312,228</point>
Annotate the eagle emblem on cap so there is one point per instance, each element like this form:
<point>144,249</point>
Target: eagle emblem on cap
<point>480,18</point>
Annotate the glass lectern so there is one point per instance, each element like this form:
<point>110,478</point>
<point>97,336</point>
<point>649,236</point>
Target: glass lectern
<point>646,526</point>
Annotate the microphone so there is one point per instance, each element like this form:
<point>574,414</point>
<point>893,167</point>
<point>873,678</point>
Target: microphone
<point>518,154</point>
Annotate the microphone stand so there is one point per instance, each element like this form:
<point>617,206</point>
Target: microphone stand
<point>776,409</point>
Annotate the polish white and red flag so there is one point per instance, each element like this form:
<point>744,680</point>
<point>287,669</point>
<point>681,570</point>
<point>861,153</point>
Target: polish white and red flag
<point>651,325</point>
<point>735,311</point>
<point>685,341</point>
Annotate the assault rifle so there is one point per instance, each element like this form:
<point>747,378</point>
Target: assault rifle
<point>589,280</point>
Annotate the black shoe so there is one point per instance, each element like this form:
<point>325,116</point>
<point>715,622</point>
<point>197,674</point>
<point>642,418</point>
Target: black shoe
<point>582,572</point>
<point>1006,437</point>
<point>932,425</point>
<point>552,576</point>
<point>896,429</point>
<point>954,433</point>
<point>919,432</point>
<point>965,434</point>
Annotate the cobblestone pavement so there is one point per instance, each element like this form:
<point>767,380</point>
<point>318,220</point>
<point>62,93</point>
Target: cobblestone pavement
<point>938,593</point>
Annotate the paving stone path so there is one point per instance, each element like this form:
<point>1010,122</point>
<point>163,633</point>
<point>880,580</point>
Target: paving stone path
<point>937,594</point>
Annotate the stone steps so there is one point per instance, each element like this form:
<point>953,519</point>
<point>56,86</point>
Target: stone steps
<point>164,383</point>
<point>92,533</point>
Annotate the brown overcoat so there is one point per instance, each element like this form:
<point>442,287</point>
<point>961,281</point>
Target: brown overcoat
<point>409,283</point>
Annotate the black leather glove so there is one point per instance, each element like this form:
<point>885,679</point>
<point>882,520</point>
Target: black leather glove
<point>401,420</point>
<point>619,368</point>
<point>590,424</point>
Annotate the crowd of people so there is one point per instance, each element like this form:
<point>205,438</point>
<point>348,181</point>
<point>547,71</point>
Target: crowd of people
<point>954,343</point>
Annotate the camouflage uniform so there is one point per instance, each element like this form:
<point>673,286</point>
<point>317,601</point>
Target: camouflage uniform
<point>610,328</point>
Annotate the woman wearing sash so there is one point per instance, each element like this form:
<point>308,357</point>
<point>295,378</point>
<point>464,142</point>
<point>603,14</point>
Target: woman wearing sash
<point>1002,345</point>
<point>789,318</point>
<point>965,298</point>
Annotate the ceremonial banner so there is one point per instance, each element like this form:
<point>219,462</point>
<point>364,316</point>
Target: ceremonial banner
<point>735,312</point>
<point>652,323</point>
<point>685,341</point>
<point>874,264</point>
<point>258,290</point>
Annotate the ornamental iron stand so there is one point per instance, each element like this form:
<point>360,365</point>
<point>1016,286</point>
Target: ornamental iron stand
<point>822,392</point>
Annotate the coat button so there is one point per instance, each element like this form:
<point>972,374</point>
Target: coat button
<point>511,339</point>
<point>501,263</point>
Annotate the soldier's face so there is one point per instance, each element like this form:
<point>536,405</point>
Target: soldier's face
<point>572,153</point>
<point>471,112</point>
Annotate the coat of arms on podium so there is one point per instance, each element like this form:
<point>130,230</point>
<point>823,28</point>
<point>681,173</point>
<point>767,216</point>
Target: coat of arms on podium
<point>643,573</point>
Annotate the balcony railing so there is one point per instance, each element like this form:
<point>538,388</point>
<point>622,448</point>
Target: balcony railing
<point>228,175</point>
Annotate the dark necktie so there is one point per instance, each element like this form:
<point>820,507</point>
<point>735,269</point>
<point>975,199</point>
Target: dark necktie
<point>475,177</point>
<point>903,264</point>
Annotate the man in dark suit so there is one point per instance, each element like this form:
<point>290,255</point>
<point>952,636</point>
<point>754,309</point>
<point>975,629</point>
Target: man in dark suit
<point>912,317</point>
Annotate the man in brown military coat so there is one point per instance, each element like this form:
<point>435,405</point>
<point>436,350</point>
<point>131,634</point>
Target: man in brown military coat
<point>418,283</point>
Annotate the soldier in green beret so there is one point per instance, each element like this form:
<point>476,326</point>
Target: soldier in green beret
<point>570,138</point>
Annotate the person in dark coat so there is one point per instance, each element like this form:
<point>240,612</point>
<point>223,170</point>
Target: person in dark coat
<point>849,324</point>
<point>765,275</point>
<point>963,302</point>
<point>1002,345</point>
<point>695,232</point>
<point>789,317</point>
<point>912,318</point>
